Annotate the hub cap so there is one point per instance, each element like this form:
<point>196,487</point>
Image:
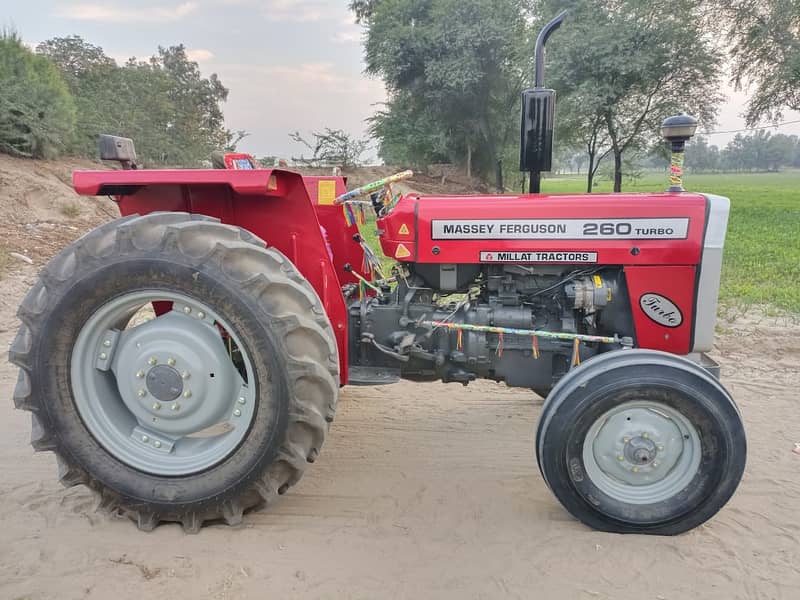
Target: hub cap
<point>642,452</point>
<point>164,383</point>
<point>164,396</point>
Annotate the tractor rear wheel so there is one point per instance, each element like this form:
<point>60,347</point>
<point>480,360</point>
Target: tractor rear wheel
<point>639,441</point>
<point>177,367</point>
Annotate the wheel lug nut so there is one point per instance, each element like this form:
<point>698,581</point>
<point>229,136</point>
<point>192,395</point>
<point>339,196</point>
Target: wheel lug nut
<point>646,435</point>
<point>142,393</point>
<point>625,440</point>
<point>660,447</point>
<point>635,469</point>
<point>176,407</point>
<point>171,362</point>
<point>237,413</point>
<point>103,356</point>
<point>201,315</point>
<point>655,464</point>
<point>157,406</point>
<point>107,343</point>
<point>242,400</point>
<point>140,374</point>
<point>157,444</point>
<point>145,439</point>
<point>152,361</point>
<point>187,394</point>
<point>186,375</point>
<point>187,309</point>
<point>620,457</point>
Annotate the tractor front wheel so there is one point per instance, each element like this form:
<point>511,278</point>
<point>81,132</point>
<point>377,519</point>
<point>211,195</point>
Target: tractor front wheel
<point>638,441</point>
<point>177,367</point>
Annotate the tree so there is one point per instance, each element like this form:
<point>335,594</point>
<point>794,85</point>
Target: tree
<point>363,9</point>
<point>765,52</point>
<point>165,104</point>
<point>780,151</point>
<point>75,58</point>
<point>633,62</point>
<point>334,147</point>
<point>409,134</point>
<point>453,69</point>
<point>701,157</point>
<point>581,124</point>
<point>198,126</point>
<point>95,82</point>
<point>37,113</point>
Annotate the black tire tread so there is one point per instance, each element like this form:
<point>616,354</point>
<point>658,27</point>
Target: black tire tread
<point>583,378</point>
<point>264,273</point>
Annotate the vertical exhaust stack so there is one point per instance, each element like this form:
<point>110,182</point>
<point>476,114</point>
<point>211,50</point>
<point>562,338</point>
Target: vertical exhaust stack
<point>538,116</point>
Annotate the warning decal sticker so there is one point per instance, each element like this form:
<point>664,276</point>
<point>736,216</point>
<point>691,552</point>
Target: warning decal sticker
<point>326,192</point>
<point>403,229</point>
<point>402,251</point>
<point>560,229</point>
<point>549,256</point>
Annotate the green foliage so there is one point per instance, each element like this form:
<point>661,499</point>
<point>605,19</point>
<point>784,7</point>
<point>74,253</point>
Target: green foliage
<point>454,70</point>
<point>621,66</point>
<point>171,111</point>
<point>37,113</point>
<point>765,53</point>
<point>74,57</point>
<point>362,9</point>
<point>409,134</point>
<point>760,151</point>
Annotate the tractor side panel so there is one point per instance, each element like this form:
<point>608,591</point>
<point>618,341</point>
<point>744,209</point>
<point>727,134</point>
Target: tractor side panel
<point>662,300</point>
<point>283,216</point>
<point>342,237</point>
<point>614,229</point>
<point>658,240</point>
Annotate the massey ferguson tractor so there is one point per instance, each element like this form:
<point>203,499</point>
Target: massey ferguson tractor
<point>184,361</point>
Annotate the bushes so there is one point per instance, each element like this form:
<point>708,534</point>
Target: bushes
<point>37,112</point>
<point>60,98</point>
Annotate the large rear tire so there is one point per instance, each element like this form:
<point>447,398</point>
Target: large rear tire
<point>638,441</point>
<point>211,408</point>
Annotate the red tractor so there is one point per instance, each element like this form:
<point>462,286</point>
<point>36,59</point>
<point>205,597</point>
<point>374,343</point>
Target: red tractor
<point>185,360</point>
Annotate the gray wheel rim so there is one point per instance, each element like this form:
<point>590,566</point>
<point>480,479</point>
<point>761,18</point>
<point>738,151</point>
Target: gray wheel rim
<point>164,396</point>
<point>642,452</point>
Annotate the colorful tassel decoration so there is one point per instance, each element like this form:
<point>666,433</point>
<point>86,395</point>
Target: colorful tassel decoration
<point>459,339</point>
<point>362,290</point>
<point>535,347</point>
<point>349,217</point>
<point>499,350</point>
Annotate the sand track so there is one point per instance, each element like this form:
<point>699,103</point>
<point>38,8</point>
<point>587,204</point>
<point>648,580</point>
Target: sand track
<point>426,491</point>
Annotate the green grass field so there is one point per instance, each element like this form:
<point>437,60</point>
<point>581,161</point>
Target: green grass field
<point>762,253</point>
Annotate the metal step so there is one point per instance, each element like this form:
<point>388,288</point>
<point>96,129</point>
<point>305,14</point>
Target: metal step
<point>372,376</point>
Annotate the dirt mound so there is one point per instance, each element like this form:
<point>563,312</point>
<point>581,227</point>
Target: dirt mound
<point>437,180</point>
<point>40,212</point>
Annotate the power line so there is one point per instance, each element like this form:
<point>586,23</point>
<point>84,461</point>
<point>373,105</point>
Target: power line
<point>750,128</point>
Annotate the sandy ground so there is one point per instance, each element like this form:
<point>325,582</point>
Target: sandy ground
<point>422,491</point>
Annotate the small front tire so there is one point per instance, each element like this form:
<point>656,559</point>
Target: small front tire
<point>639,441</point>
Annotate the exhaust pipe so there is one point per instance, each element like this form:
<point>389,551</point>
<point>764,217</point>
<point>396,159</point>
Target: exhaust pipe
<point>538,116</point>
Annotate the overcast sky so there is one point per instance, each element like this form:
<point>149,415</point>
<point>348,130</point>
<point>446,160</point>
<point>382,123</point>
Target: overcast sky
<point>289,64</point>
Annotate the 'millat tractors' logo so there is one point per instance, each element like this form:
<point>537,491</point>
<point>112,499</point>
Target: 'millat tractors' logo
<point>661,310</point>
